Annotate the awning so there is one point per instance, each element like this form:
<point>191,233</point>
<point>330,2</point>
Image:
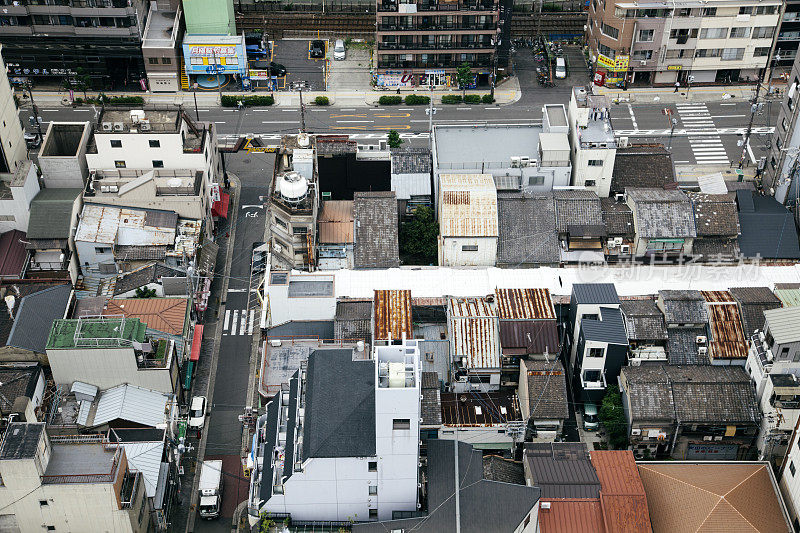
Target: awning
<point>187,382</point>
<point>220,207</point>
<point>196,340</point>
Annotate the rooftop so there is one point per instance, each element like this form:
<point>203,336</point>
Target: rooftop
<point>617,216</point>
<point>167,315</point>
<point>51,214</point>
<point>577,208</point>
<point>411,161</point>
<point>335,222</point>
<point>715,214</point>
<point>35,316</point>
<point>608,328</point>
<point>473,330</point>
<point>783,324</point>
<point>95,332</point>
<point>496,468</point>
<point>595,293</point>
<point>789,297</point>
<point>527,233</point>
<point>12,254</point>
<point>643,320</point>
<point>82,463</point>
<point>152,273</point>
<point>376,244</point>
<point>572,515</point>
<point>21,440</point>
<point>525,304</point>
<point>683,306</point>
<point>18,379</point>
<point>129,403</point>
<point>472,410</point>
<point>123,226</point>
<point>561,469</point>
<point>767,227</point>
<point>547,389</point>
<point>392,315</point>
<point>642,165</point>
<point>167,121</point>
<point>660,213</point>
<point>682,346</point>
<point>753,301</point>
<point>488,146</point>
<point>468,205</point>
<point>622,495</point>
<point>727,340</point>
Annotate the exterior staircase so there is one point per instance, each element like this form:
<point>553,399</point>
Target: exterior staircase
<point>184,77</point>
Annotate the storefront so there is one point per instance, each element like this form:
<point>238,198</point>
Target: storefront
<point>214,59</point>
<point>615,69</point>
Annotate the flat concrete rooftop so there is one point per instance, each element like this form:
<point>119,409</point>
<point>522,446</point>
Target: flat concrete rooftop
<point>466,147</point>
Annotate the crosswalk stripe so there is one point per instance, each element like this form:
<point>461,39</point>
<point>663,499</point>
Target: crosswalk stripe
<point>243,329</point>
<point>227,319</point>
<point>252,317</point>
<point>703,135</point>
<point>234,322</point>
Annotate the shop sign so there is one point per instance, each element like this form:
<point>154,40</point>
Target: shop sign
<point>674,67</point>
<point>605,62</point>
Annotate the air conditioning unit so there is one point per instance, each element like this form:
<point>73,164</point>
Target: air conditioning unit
<point>617,241</point>
<point>636,362</point>
<point>707,437</point>
<point>701,339</point>
<point>524,161</point>
<point>515,162</point>
<point>119,126</point>
<point>625,249</point>
<point>623,142</point>
<point>643,62</point>
<point>108,126</point>
<point>636,431</point>
<point>770,356</point>
<point>144,125</point>
<point>702,350</point>
<point>761,336</point>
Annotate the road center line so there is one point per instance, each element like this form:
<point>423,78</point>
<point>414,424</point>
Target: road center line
<point>353,121</point>
<point>280,122</point>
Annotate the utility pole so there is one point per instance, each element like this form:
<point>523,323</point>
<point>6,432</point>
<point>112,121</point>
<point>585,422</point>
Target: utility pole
<point>671,131</point>
<point>194,93</point>
<point>35,111</point>
<point>753,111</point>
<point>216,73</point>
<point>302,108</point>
<point>430,112</point>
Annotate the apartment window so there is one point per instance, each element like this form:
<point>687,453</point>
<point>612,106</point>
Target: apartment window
<point>595,163</point>
<point>746,10</point>
<point>469,248</point>
<point>166,60</point>
<point>152,60</point>
<point>784,352</point>
<point>683,12</point>
<point>606,51</point>
<point>43,503</point>
<point>373,490</point>
<point>792,469</point>
<point>761,51</point>
<point>102,249</point>
<point>610,31</point>
<point>372,466</point>
<point>195,60</point>
<point>713,33</point>
<point>732,54</point>
<point>765,10</point>
<point>709,11</point>
<point>683,34</point>
<point>373,514</point>
<point>154,143</point>
<point>708,52</point>
<point>7,218</point>
<point>51,528</point>
<point>119,164</point>
<point>536,180</point>
<point>596,352</point>
<point>589,183</point>
<point>740,33</point>
<point>527,521</point>
<point>1,482</point>
<point>646,35</point>
<point>680,53</point>
<point>401,423</point>
<point>299,230</point>
<point>763,32</point>
<point>280,223</point>
<point>116,143</point>
<point>642,55</point>
<point>157,163</point>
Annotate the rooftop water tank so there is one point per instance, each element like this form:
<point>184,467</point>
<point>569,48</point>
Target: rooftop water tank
<point>292,187</point>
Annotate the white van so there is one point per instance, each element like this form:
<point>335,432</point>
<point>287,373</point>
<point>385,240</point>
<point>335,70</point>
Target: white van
<point>561,68</point>
<point>338,50</point>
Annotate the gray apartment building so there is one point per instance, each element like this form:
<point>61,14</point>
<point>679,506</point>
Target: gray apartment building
<point>780,168</point>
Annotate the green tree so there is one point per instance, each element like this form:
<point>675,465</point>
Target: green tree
<point>419,238</point>
<point>612,416</point>
<point>464,77</point>
<point>394,139</point>
<point>82,80</point>
<point>144,292</point>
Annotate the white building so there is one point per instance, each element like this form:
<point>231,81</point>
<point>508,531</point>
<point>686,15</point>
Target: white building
<point>341,441</point>
<point>593,145</point>
<point>12,143</point>
<point>467,220</point>
<point>789,478</point>
<point>68,484</point>
<point>17,191</point>
<point>63,155</point>
<point>776,348</point>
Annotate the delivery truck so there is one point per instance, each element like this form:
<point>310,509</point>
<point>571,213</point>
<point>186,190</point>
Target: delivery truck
<point>210,489</point>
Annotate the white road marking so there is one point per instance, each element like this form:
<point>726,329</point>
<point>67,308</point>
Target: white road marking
<point>464,108</point>
<point>252,318</point>
<point>492,108</point>
<point>750,151</point>
<point>704,139</point>
<point>633,117</point>
<point>279,122</point>
<point>243,328</point>
<point>227,320</point>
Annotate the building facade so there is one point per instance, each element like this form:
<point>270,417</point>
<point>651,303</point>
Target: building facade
<point>780,167</point>
<point>12,143</point>
<point>593,145</point>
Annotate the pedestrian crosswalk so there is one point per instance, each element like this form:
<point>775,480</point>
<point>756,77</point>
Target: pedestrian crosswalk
<point>704,139</point>
<point>238,322</point>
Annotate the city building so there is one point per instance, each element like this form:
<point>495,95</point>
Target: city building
<point>668,42</point>
<point>335,234</point>
<point>51,230</point>
<point>160,40</point>
<point>560,470</point>
<point>592,141</point>
<point>527,235</point>
<point>486,420</point>
<point>62,157</point>
<point>753,301</point>
<point>787,41</point>
<point>663,222</point>
<point>467,220</point>
<point>727,343</point>
<point>778,177</point>
<point>422,43</point>
<point>774,348</point>
<point>620,235</point>
<point>767,228</point>
<point>342,452</point>
<point>579,222</point>
<point>13,149</point>
<point>210,17</point>
<point>646,331</point>
<point>205,53</point>
<point>17,191</point>
<point>686,317</point>
<point>68,483</point>
<point>169,318</point>
<point>391,316</point>
<point>716,219</point>
<point>543,398</point>
<point>474,332</point>
<point>528,324</point>
<point>411,177</point>
<point>643,166</point>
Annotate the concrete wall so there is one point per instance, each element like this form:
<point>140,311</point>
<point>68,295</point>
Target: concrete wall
<point>63,155</point>
<point>451,252</point>
<point>18,206</point>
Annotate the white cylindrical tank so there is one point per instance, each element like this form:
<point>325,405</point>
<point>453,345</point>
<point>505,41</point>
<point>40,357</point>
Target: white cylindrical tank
<point>292,187</point>
<point>397,375</point>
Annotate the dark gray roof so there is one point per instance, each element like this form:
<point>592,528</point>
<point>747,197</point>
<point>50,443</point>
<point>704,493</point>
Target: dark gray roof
<point>594,293</point>
<point>21,440</point>
<point>340,406</point>
<point>496,468</point>
<point>291,422</point>
<point>617,216</point>
<point>715,214</point>
<point>375,215</point>
<point>716,248</point>
<point>642,166</point>
<point>35,317</point>
<point>130,252</point>
<point>19,291</point>
<point>661,213</point>
<point>268,447</point>
<point>143,276</point>
<point>353,310</point>
<point>754,301</point>
<point>577,207</point>
<point>431,399</point>
<point>51,213</point>
<point>682,346</point>
<point>691,394</point>
<point>353,320</point>
<point>411,160</point>
<point>643,320</point>
<point>321,329</point>
<point>683,307</point>
<point>767,227</point>
<point>17,379</point>
<point>609,328</point>
<point>562,469</point>
<point>527,230</point>
<point>547,389</point>
<point>485,505</point>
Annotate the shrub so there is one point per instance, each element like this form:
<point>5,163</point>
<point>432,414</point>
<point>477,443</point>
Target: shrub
<point>472,99</point>
<point>451,99</point>
<point>487,99</point>
<point>122,100</point>
<point>416,99</point>
<point>322,100</point>
<point>229,101</point>
<point>390,100</point>
<point>253,101</point>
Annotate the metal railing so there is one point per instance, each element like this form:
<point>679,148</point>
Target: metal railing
<point>489,26</point>
<point>454,6</point>
<point>435,46</point>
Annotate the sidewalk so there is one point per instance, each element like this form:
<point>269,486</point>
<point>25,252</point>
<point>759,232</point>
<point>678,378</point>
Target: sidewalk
<point>667,95</point>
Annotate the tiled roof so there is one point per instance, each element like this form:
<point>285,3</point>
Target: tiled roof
<point>643,320</point>
<point>561,469</point>
<point>716,248</point>
<point>713,497</point>
<point>594,293</point>
<point>145,275</point>
<point>527,230</point>
<point>572,515</point>
<point>622,495</point>
<point>35,316</point>
<point>682,346</point>
<point>376,245</point>
<point>715,214</point>
<point>662,213</point>
<point>411,160</point>
<point>431,399</point>
<point>642,166</point>
<point>617,217</point>
<point>496,468</point>
<point>18,379</point>
<point>547,389</point>
<point>577,207</point>
<point>683,306</point>
<point>167,315</point>
<point>753,301</point>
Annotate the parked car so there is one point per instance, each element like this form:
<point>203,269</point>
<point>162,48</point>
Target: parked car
<point>339,50</point>
<point>275,69</point>
<point>317,49</point>
<point>590,420</point>
<point>32,140</point>
<point>561,68</point>
<point>197,413</point>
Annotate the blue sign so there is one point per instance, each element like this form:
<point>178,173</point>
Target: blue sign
<point>215,69</point>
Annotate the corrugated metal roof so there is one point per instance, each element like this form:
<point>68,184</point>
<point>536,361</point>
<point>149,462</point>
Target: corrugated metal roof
<point>12,254</point>
<point>477,409</point>
<point>595,293</point>
<point>393,315</point>
<point>622,494</point>
<point>131,403</point>
<point>468,205</point>
<point>727,333</point>
<point>474,333</point>
<point>336,222</point>
<point>126,226</point>
<point>572,516</point>
<point>145,457</point>
<point>783,324</point>
<point>518,304</point>
<point>789,297</point>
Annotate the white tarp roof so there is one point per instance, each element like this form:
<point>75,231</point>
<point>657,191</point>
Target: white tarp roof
<point>712,184</point>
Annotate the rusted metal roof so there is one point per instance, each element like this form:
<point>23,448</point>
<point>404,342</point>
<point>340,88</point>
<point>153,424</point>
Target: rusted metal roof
<point>521,304</point>
<point>468,205</point>
<point>474,332</point>
<point>392,310</point>
<point>727,334</point>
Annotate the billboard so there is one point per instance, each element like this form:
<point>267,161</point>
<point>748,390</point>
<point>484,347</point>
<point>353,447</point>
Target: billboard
<point>225,56</point>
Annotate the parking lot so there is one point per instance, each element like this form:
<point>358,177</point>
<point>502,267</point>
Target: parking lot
<point>351,74</point>
<point>294,55</point>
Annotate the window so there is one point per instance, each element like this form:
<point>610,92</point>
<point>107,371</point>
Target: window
<point>778,143</point>
<point>280,223</point>
<point>372,466</point>
<point>116,143</point>
<point>373,514</point>
<point>606,51</point>
<point>152,60</point>
<point>401,423</point>
<point>784,352</point>
<point>763,32</point>
<point>732,54</point>
<point>166,60</point>
<point>595,163</point>
<point>526,522</point>
<point>589,183</point>
<point>43,503</point>
<point>713,33</point>
<point>1,482</point>
<point>154,143</point>
<point>642,55</point>
<point>373,490</point>
<point>195,60</point>
<point>745,10</point>
<point>765,10</point>
<point>536,180</point>
<point>740,33</point>
<point>119,164</point>
<point>8,218</point>
<point>157,163</point>
<point>792,469</point>
<point>596,352</point>
<point>51,528</point>
<point>708,52</point>
<point>469,248</point>
<point>646,35</point>
<point>299,230</point>
<point>761,51</point>
<point>680,53</point>
<point>102,249</point>
<point>709,11</point>
<point>610,31</point>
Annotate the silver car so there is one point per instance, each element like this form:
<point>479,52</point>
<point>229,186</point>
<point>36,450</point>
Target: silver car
<point>339,50</point>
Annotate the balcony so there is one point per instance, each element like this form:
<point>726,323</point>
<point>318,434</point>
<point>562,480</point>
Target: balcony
<point>432,64</point>
<point>436,46</point>
<point>485,5</point>
<point>489,26</point>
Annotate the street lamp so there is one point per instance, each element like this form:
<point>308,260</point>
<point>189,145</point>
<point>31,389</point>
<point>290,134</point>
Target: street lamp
<point>194,93</point>
<point>689,80</point>
<point>671,131</point>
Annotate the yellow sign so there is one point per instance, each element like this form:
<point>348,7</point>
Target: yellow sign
<point>605,62</point>
<point>674,67</point>
<point>621,63</point>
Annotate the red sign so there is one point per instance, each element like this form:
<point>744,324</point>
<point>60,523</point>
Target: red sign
<point>599,78</point>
